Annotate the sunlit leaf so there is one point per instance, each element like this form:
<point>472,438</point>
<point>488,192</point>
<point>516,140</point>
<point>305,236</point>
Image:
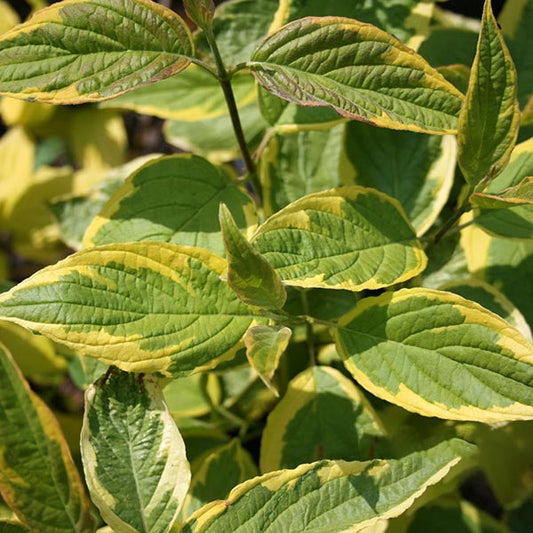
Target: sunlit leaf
<point>34,354</point>
<point>376,78</point>
<point>144,307</point>
<point>323,415</point>
<point>249,273</point>
<point>490,117</point>
<point>38,478</point>
<point>490,298</point>
<point>504,263</point>
<point>8,16</point>
<point>172,199</point>
<point>101,48</point>
<point>331,495</point>
<point>264,347</point>
<point>133,454</point>
<point>213,137</point>
<point>191,95</point>
<point>404,346</point>
<point>348,238</point>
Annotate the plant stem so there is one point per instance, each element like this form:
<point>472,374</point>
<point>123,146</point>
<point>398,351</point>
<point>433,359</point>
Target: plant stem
<point>225,82</point>
<point>310,338</point>
<point>448,224</point>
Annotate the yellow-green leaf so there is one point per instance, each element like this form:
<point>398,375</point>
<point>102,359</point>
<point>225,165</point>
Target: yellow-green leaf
<point>437,354</point>
<point>213,137</point>
<point>133,454</point>
<point>296,163</point>
<point>34,354</point>
<point>89,50</point>
<point>323,415</point>
<point>189,96</point>
<point>490,117</point>
<point>376,78</point>
<point>348,238</point>
<point>144,307</point>
<point>8,16</point>
<point>38,478</point>
<point>249,273</point>
<point>331,495</point>
<point>200,11</point>
<point>217,473</point>
<point>521,194</point>
<point>172,199</point>
<point>418,170</point>
<point>502,262</point>
<point>264,347</point>
<point>490,298</point>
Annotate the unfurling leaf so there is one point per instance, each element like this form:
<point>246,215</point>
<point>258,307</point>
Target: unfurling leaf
<point>490,117</point>
<point>264,347</point>
<point>249,273</point>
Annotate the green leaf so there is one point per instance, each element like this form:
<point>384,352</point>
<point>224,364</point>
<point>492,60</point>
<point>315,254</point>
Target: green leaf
<point>172,199</point>
<point>218,472</point>
<point>449,46</point>
<point>490,298</point>
<point>190,96</point>
<point>521,194</point>
<point>200,11</point>
<point>213,137</point>
<point>516,222</point>
<point>508,479</point>
<point>290,118</point>
<point>75,212</point>
<point>298,163</point>
<point>188,396</point>
<point>490,117</point>
<point>376,78</point>
<point>323,415</point>
<point>89,50</point>
<point>238,26</point>
<point>249,274</point>
<point>418,170</point>
<point>264,347</point>
<point>330,495</point>
<point>501,262</point>
<point>459,517</point>
<point>144,307</point>
<point>404,19</point>
<point>348,238</point>
<point>12,527</point>
<point>133,454</point>
<point>516,19</point>
<point>520,167</point>
<point>405,347</point>
<point>38,478</point>
<point>34,355</point>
